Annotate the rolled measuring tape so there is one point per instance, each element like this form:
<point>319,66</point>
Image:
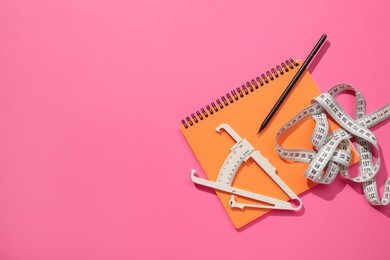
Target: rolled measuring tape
<point>332,151</point>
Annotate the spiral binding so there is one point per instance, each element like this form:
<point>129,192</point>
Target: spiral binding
<point>239,92</point>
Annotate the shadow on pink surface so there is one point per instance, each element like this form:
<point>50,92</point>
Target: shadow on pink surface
<point>317,59</point>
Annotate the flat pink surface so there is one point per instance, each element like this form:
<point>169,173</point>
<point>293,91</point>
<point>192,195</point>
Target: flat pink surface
<point>92,162</point>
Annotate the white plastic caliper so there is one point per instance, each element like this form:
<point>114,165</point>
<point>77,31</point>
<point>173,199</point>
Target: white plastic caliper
<point>241,152</point>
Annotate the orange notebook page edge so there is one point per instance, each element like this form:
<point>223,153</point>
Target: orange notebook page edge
<point>245,116</point>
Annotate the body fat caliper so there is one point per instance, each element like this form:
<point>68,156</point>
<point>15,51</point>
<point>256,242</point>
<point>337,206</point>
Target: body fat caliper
<point>239,154</point>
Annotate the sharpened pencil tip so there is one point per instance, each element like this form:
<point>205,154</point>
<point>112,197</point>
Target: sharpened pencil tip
<point>261,128</point>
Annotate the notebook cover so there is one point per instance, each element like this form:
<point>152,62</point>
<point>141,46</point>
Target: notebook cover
<point>245,116</point>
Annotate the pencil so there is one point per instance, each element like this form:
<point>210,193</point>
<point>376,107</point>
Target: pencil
<point>292,83</point>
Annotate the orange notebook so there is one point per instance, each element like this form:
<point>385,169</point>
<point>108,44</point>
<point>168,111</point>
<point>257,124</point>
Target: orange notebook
<point>244,109</point>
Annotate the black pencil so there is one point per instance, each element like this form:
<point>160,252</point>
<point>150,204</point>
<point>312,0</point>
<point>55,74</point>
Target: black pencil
<point>292,83</point>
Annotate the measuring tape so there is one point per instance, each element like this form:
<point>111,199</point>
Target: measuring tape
<point>333,151</point>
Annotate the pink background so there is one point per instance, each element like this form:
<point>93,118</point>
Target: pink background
<point>92,162</point>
